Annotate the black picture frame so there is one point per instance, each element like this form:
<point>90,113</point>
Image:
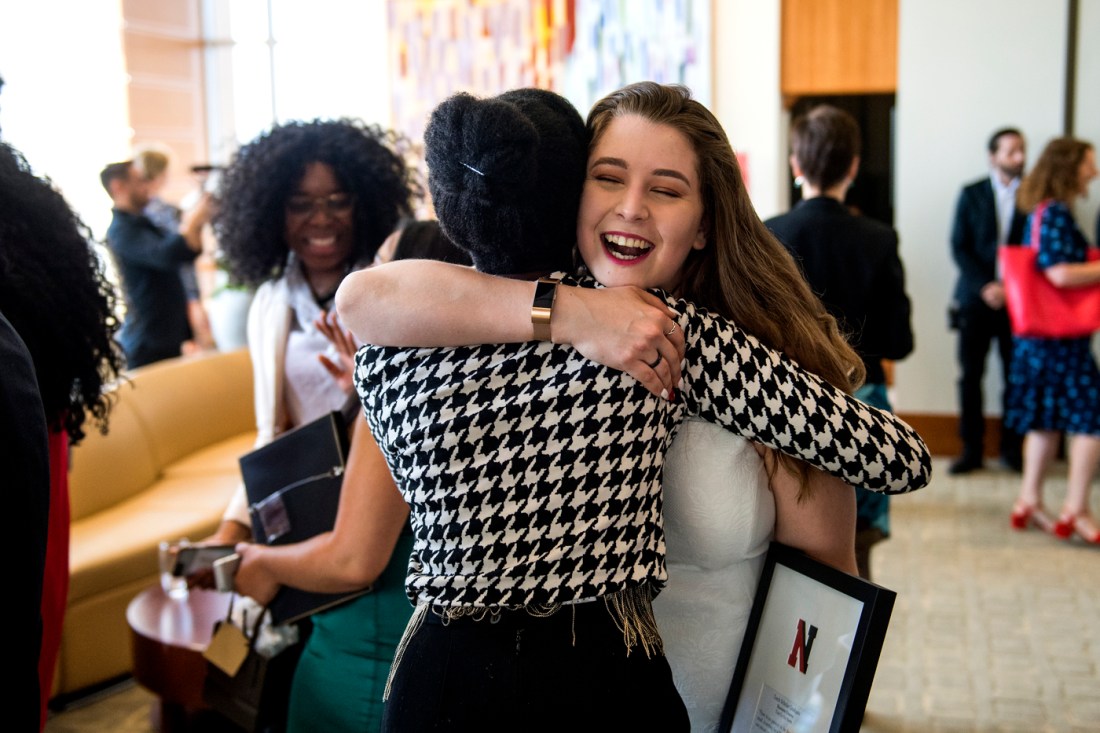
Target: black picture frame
<point>778,682</point>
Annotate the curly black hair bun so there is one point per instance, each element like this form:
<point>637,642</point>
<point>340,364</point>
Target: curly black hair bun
<point>505,174</point>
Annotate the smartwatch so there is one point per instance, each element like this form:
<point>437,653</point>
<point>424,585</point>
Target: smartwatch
<point>546,289</point>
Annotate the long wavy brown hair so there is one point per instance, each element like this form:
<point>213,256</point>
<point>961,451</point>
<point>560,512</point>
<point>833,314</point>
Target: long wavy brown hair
<point>1055,173</point>
<point>743,273</point>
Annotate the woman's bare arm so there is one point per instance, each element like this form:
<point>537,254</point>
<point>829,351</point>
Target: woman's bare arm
<point>423,304</point>
<point>823,523</point>
<point>356,551</point>
<point>428,303</point>
<point>1074,274</point>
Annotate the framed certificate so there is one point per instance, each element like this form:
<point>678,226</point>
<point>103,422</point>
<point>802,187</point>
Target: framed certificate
<point>810,651</point>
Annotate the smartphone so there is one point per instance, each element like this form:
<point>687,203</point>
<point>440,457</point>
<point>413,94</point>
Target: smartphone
<point>191,559</point>
<point>225,570</point>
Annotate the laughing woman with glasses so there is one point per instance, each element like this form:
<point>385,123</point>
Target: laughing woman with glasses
<point>300,207</point>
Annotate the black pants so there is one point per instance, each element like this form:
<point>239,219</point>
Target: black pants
<point>978,327</point>
<point>527,674</point>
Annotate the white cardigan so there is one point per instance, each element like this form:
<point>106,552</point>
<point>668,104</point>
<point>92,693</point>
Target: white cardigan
<point>269,319</point>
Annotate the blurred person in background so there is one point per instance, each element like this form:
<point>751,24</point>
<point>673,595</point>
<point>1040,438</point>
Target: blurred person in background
<point>148,260</point>
<point>151,162</point>
<point>851,262</point>
<point>986,216</point>
<point>54,292</point>
<point>1054,384</point>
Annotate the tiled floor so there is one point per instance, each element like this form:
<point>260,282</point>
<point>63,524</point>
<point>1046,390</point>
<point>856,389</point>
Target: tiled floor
<point>992,631</point>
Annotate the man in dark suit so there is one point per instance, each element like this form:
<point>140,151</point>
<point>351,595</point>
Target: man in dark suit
<point>985,217</point>
<point>851,262</point>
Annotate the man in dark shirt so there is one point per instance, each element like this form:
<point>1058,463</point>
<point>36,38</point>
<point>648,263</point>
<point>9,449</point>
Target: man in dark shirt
<point>852,263</point>
<point>148,260</point>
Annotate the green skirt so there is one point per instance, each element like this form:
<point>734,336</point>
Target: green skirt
<point>342,673</point>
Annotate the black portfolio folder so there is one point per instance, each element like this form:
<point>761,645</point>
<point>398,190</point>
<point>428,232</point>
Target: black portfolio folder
<point>293,487</point>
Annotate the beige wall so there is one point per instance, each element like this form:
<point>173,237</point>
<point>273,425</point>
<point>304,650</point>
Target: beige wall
<point>747,98</point>
<point>996,63</point>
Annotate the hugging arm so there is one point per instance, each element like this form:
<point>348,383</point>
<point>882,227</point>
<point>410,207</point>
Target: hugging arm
<point>737,382</point>
<point>422,303</point>
<point>369,521</point>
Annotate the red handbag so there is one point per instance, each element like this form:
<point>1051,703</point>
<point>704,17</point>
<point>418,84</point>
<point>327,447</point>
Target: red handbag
<point>1036,306</point>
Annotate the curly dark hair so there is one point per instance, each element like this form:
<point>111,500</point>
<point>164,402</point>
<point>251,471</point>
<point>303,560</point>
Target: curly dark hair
<point>367,161</point>
<point>54,292</point>
<point>505,170</point>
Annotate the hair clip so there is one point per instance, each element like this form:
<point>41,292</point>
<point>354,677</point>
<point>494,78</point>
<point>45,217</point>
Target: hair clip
<point>475,170</point>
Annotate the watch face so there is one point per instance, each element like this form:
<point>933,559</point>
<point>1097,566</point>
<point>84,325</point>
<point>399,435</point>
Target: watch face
<point>544,294</point>
<point>542,306</point>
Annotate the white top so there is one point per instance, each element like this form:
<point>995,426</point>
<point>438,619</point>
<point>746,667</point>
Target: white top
<point>310,391</point>
<point>284,344</point>
<point>1004,196</point>
<point>719,518</point>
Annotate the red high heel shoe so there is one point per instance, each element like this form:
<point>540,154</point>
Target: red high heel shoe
<point>1026,515</point>
<point>1077,524</point>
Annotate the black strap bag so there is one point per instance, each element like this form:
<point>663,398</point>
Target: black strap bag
<point>256,696</point>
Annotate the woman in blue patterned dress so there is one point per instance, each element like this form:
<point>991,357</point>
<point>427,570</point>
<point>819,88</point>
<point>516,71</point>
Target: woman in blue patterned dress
<point>1054,384</point>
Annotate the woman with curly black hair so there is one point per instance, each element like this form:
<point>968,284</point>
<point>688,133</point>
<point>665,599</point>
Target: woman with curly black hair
<point>54,292</point>
<point>300,207</point>
<point>261,193</point>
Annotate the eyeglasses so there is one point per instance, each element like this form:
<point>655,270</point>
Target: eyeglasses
<point>334,204</point>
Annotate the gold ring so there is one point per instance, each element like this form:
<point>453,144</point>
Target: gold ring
<point>672,330</point>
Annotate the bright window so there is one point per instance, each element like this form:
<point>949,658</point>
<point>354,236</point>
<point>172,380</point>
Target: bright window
<point>278,60</point>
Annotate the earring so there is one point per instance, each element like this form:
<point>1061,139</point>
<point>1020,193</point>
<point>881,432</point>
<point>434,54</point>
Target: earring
<point>799,181</point>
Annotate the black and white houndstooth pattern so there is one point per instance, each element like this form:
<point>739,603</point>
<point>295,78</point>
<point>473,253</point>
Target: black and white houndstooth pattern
<point>534,474</point>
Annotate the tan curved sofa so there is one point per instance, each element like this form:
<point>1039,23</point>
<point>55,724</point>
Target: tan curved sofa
<point>165,470</point>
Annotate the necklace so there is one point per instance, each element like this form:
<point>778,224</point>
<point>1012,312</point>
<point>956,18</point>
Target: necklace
<point>324,301</point>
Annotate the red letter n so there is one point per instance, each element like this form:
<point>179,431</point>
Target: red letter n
<point>803,643</point>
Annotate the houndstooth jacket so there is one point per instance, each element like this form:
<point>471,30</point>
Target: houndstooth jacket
<point>534,475</point>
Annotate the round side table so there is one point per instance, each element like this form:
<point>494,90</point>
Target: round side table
<point>169,636</point>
